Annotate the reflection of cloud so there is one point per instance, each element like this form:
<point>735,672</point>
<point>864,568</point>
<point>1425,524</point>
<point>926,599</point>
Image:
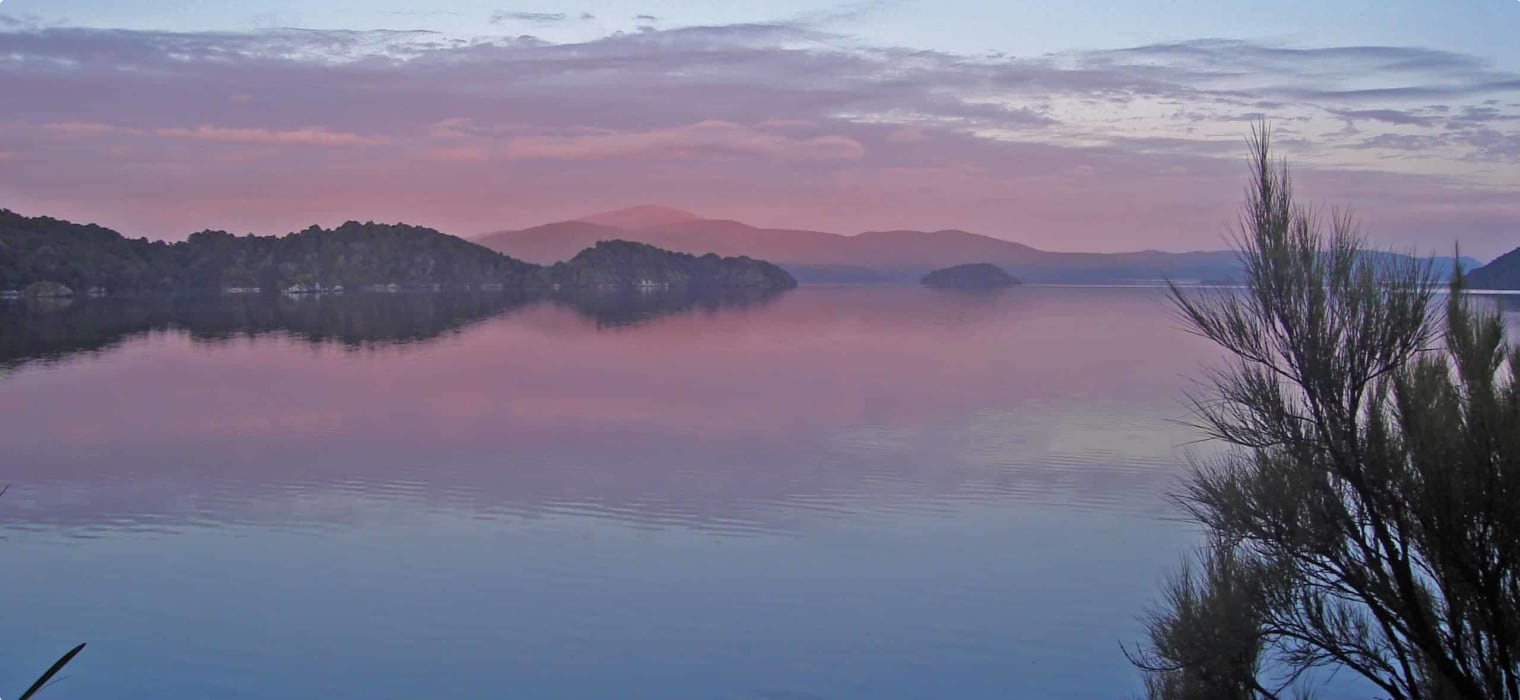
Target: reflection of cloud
<point>752,418</point>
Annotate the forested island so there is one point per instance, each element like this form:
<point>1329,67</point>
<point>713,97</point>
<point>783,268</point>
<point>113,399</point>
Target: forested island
<point>970,276</point>
<point>46,257</point>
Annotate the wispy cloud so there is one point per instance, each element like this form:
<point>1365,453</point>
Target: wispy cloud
<point>703,139</point>
<point>786,120</point>
<point>290,137</point>
<point>501,16</point>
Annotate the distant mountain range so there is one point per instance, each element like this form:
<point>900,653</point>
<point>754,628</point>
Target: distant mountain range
<point>870,257</point>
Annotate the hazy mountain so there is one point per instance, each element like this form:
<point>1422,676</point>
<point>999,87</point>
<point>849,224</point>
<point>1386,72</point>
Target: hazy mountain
<point>873,256</point>
<point>647,216</point>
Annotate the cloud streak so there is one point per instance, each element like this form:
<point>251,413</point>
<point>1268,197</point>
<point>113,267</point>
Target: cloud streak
<point>293,137</point>
<point>502,16</point>
<point>708,139</point>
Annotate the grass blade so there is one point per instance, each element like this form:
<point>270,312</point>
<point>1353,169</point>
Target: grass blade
<point>57,666</point>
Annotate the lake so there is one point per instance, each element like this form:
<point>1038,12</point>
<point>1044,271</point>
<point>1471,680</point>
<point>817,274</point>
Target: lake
<point>835,493</point>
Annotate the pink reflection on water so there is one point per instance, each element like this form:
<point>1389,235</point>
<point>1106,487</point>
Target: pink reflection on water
<point>838,392</point>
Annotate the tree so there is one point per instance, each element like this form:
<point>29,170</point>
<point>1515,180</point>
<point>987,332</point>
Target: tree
<point>1365,515</point>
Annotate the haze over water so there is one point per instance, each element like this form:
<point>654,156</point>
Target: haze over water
<point>839,493</point>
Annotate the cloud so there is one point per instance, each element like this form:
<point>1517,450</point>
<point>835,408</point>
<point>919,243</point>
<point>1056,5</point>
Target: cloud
<point>292,137</point>
<point>1388,116</point>
<point>701,140</point>
<point>785,122</point>
<point>907,134</point>
<point>501,16</point>
<point>82,129</point>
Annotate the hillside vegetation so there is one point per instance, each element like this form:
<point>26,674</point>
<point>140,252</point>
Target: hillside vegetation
<point>1502,273</point>
<point>622,264</point>
<point>39,253</point>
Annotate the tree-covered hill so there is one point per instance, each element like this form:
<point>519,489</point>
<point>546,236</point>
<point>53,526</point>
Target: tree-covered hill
<point>44,249</point>
<point>624,265</point>
<point>1502,273</point>
<point>41,252</point>
<point>970,276</point>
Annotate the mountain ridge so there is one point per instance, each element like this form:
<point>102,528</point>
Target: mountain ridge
<point>885,256</point>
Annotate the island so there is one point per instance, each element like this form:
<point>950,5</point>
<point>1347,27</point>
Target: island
<point>620,265</point>
<point>46,257</point>
<point>970,276</point>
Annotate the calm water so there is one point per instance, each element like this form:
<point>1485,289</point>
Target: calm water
<point>837,493</point>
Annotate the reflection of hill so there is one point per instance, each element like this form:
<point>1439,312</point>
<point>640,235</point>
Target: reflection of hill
<point>31,332</point>
<point>821,402</point>
<point>627,307</point>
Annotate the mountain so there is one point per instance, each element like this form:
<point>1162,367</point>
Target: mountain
<point>640,217</point>
<point>42,253</point>
<point>873,256</point>
<point>969,276</point>
<point>1502,273</point>
<point>879,256</point>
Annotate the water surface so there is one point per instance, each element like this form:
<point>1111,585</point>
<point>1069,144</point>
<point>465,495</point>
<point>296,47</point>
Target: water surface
<point>835,493</point>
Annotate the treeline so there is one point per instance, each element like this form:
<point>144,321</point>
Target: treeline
<point>42,252</point>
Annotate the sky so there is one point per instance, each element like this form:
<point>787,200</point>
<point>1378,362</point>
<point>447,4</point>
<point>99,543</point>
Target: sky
<point>1091,126</point>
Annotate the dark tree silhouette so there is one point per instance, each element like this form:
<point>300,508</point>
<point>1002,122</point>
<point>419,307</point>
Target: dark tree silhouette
<point>1367,515</point>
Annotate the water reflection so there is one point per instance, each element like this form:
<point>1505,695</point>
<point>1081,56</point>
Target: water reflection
<point>842,493</point>
<point>629,307</point>
<point>825,403</point>
<point>49,330</point>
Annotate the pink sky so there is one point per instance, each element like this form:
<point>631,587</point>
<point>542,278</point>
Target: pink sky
<point>160,134</point>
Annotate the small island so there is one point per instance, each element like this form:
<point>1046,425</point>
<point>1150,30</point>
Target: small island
<point>970,276</point>
<point>622,265</point>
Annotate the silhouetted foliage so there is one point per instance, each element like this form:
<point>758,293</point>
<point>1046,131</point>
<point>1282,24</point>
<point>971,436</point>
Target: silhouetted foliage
<point>1367,518</point>
<point>53,670</point>
<point>42,681</point>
